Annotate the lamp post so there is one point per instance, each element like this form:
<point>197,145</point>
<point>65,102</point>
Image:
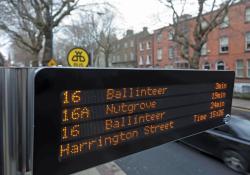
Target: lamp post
<point>51,29</point>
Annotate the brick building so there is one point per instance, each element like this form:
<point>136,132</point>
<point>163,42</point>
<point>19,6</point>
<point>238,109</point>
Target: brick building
<point>227,48</point>
<point>124,51</point>
<point>228,45</point>
<point>145,50</point>
<point>167,52</point>
<point>125,54</point>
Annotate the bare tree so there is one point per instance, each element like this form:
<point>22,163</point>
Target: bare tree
<point>79,34</point>
<point>29,22</point>
<point>205,21</point>
<point>94,31</point>
<point>104,33</point>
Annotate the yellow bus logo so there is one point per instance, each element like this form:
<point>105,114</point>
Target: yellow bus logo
<point>78,57</point>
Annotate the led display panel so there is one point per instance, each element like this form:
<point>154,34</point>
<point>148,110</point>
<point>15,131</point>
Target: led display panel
<point>87,117</point>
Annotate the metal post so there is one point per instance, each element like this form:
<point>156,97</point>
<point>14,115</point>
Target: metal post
<point>16,109</point>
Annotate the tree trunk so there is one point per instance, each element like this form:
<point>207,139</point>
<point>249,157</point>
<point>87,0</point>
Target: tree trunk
<point>35,59</point>
<point>195,60</point>
<point>106,59</point>
<point>48,48</point>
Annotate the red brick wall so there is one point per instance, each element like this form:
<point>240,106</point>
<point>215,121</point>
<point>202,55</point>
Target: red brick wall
<point>236,35</point>
<point>164,44</point>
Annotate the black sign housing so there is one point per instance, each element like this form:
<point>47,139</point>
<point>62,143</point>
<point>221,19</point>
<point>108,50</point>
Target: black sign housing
<point>87,117</point>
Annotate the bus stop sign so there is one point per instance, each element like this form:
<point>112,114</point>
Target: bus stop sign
<point>85,117</point>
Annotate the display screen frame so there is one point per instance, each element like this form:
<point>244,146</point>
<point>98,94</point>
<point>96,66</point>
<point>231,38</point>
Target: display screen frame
<point>51,82</point>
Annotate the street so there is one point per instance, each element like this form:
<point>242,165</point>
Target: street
<point>176,159</point>
<point>173,159</point>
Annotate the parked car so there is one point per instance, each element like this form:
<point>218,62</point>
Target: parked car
<point>230,143</point>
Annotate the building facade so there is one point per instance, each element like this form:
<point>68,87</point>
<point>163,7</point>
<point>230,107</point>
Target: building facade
<point>227,48</point>
<point>228,45</point>
<point>145,50</point>
<point>124,51</point>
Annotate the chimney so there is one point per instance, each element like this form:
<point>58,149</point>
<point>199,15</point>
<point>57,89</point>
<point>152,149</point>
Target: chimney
<point>130,32</point>
<point>145,29</point>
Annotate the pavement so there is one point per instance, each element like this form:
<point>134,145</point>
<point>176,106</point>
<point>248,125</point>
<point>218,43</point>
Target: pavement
<point>240,103</point>
<point>110,168</point>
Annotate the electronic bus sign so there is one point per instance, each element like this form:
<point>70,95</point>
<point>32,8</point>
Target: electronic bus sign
<point>87,117</point>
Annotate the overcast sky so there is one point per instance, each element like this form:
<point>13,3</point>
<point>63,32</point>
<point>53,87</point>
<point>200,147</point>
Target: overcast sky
<point>135,14</point>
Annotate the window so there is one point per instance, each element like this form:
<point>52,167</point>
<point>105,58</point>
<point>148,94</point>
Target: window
<point>204,49</point>
<point>125,57</point>
<point>171,53</point>
<point>171,35</point>
<point>206,66</point>
<point>247,15</point>
<point>125,44</point>
<point>148,61</point>
<point>141,46</point>
<point>225,22</point>
<point>220,65</point>
<point>118,46</point>
<point>148,45</point>
<point>159,54</point>
<point>132,56</point>
<point>204,24</point>
<point>239,68</point>
<point>248,68</point>
<point>247,38</point>
<point>141,60</point>
<point>159,37</point>
<point>131,43</point>
<point>118,58</point>
<point>224,45</point>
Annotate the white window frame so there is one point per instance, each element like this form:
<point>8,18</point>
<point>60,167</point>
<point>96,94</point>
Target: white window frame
<point>217,64</point>
<point>171,35</point>
<point>125,58</point>
<point>204,49</point>
<point>247,14</point>
<point>224,44</point>
<point>132,56</point>
<point>159,37</point>
<point>159,54</point>
<point>141,46</point>
<point>148,45</point>
<point>239,68</point>
<point>125,45</point>
<point>171,53</point>
<point>148,60</point>
<point>141,62</point>
<point>204,24</point>
<point>225,22</point>
<point>247,40</point>
<point>206,64</point>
